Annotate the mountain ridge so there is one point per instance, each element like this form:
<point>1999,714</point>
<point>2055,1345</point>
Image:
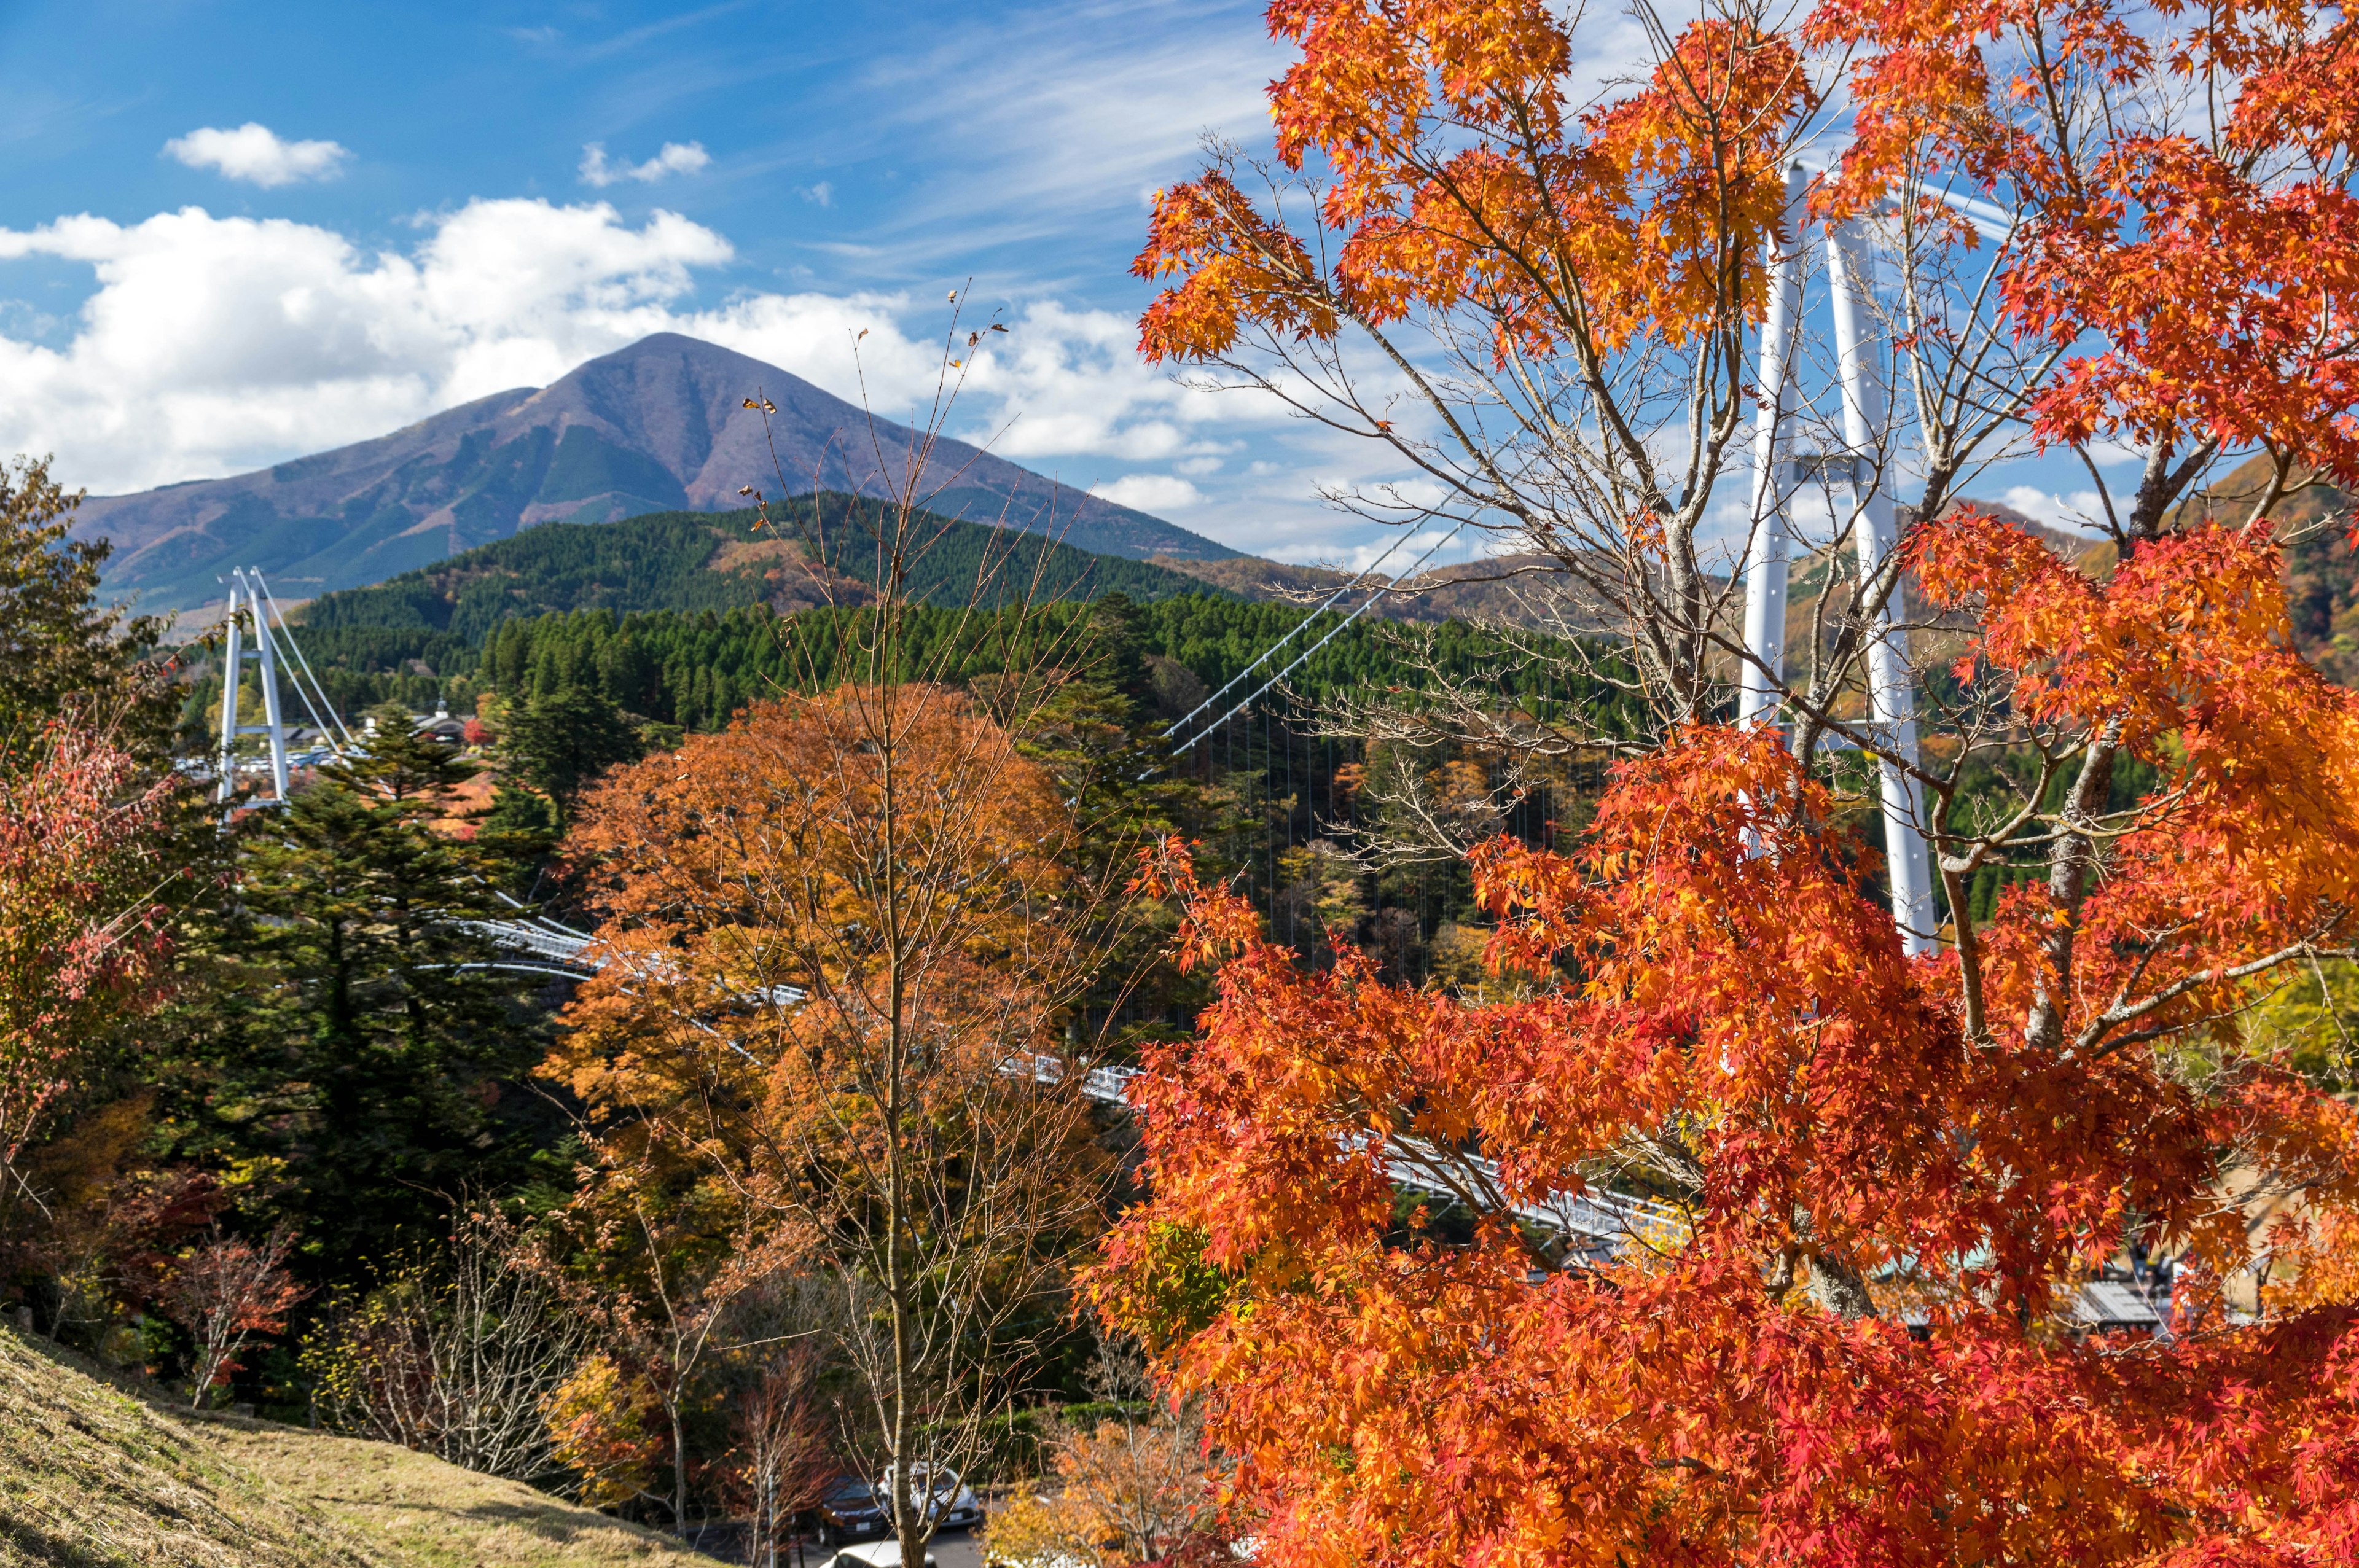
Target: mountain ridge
<point>692,561</point>
<point>657,426</point>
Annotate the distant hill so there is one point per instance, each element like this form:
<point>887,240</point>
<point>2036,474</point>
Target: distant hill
<point>2322,569</point>
<point>699,560</point>
<point>1502,588</point>
<point>657,426</point>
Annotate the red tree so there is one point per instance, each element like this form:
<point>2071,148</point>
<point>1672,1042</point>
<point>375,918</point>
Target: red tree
<point>79,929</point>
<point>1844,1334</point>
<point>225,1292</point>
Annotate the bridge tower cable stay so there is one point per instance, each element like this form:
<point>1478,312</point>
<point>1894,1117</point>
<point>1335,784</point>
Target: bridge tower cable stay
<point>1378,592</point>
<point>253,610</point>
<point>333,723</point>
<point>1861,467</point>
<point>246,605</point>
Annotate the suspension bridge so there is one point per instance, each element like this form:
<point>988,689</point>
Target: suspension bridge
<point>1593,1221</point>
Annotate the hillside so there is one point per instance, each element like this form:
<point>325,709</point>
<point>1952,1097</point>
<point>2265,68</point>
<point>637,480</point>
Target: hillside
<point>93,1475</point>
<point>1499,588</point>
<point>659,426</point>
<point>1510,590</point>
<point>690,561</point>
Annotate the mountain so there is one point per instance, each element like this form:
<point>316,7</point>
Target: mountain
<point>699,560</point>
<point>658,426</point>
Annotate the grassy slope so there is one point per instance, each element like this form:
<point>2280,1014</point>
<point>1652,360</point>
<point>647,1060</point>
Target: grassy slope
<point>92,1475</point>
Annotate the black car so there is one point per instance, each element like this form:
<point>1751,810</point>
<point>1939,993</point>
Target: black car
<point>849,1509</point>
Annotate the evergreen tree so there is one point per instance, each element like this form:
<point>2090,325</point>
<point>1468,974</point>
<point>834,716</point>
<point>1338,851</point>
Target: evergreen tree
<point>567,735</point>
<point>59,648</point>
<point>340,1042</point>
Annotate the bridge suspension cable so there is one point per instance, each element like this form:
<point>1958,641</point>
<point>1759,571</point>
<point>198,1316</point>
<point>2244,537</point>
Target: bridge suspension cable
<point>1304,656</point>
<point>1326,604</point>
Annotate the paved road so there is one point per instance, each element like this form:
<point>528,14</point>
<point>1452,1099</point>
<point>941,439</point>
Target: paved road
<point>950,1548</point>
<point>957,1549</point>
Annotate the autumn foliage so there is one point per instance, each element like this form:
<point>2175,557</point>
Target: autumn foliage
<point>79,925</point>
<point>1728,1018</point>
<point>836,938</point>
<point>1841,1329</point>
<point>753,869</point>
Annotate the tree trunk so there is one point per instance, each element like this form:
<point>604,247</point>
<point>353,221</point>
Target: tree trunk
<point>678,1471</point>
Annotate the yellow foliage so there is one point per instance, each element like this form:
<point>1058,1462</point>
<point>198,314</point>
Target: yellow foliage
<point>598,1423</point>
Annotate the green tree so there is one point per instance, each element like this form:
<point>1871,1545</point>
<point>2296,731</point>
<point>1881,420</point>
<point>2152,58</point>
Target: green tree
<point>564,738</point>
<point>341,1037</point>
<point>59,647</point>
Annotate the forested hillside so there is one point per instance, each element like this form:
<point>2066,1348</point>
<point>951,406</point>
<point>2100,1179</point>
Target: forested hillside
<point>818,550</point>
<point>693,667</point>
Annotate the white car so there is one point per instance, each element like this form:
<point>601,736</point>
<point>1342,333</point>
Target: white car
<point>951,1500</point>
<point>872,1554</point>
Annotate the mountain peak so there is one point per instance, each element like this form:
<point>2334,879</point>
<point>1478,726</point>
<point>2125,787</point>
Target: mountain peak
<point>657,426</point>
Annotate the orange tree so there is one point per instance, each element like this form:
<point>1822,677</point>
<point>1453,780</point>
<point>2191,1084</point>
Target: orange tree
<point>849,951</point>
<point>1844,1336</point>
<point>838,935</point>
<point>2119,231</point>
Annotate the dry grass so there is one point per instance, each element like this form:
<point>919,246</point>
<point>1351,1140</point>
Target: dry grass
<point>417,1510</point>
<point>89,1474</point>
<point>93,1474</point>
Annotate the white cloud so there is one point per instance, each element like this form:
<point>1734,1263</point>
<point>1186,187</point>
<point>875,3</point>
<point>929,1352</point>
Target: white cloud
<point>2082,510</point>
<point>217,344</point>
<point>822,194</point>
<point>675,158</point>
<point>1149,492</point>
<point>256,154</point>
<point>214,345</point>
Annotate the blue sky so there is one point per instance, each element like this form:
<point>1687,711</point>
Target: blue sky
<point>235,234</point>
<point>850,144</point>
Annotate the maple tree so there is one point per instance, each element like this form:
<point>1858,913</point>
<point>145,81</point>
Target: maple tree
<point>836,937</point>
<point>784,1458</point>
<point>81,929</point>
<point>657,1280</point>
<point>603,1426</point>
<point>1124,1492</point>
<point>847,946</point>
<point>1843,1331</point>
<point>225,1291</point>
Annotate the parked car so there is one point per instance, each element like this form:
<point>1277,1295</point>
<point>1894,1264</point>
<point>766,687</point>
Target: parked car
<point>953,1502</point>
<point>872,1554</point>
<point>849,1509</point>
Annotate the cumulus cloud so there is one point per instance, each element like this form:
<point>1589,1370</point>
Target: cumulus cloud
<point>2081,509</point>
<point>214,345</point>
<point>1149,492</point>
<point>675,158</point>
<point>256,154</point>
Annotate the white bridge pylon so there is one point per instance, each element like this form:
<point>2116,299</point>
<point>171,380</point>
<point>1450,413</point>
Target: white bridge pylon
<point>246,599</point>
<point>1860,467</point>
<point>251,602</point>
